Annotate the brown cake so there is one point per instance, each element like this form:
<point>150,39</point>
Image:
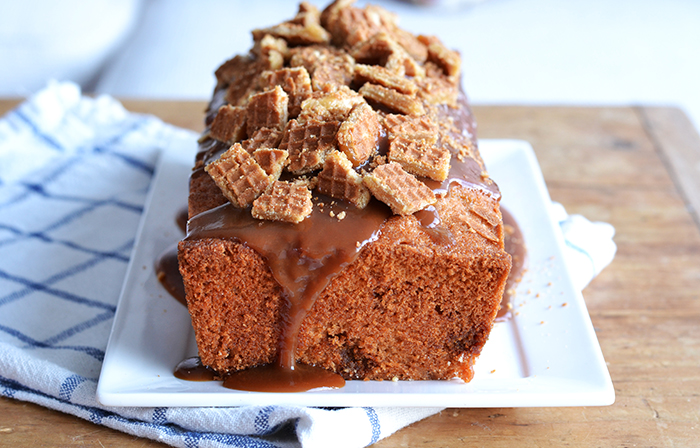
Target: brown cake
<point>340,214</point>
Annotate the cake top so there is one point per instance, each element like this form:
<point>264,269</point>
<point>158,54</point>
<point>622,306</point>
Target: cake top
<point>342,103</point>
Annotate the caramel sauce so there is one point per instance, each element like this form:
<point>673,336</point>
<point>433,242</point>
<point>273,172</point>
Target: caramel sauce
<point>272,378</point>
<point>166,265</point>
<point>168,274</point>
<point>192,369</point>
<point>429,219</point>
<point>181,219</point>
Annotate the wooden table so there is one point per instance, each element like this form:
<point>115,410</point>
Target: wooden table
<point>637,168</point>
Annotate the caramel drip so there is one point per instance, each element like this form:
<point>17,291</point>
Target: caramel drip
<point>181,219</point>
<point>166,265</point>
<point>270,378</point>
<point>168,274</point>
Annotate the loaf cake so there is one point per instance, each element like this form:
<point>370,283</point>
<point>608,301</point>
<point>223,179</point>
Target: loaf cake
<point>340,215</point>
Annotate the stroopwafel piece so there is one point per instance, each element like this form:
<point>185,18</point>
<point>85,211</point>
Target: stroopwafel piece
<point>271,52</point>
<point>375,50</point>
<point>380,75</point>
<point>239,176</point>
<point>357,136</point>
<point>437,91</point>
<point>339,180</point>
<point>238,73</point>
<point>271,160</point>
<point>448,60</point>
<point>413,46</point>
<point>304,29</point>
<point>263,138</point>
<point>333,103</point>
<point>396,101</point>
<point>350,26</point>
<point>296,82</point>
<point>402,192</point>
<point>288,202</point>
<point>308,144</point>
<point>267,110</point>
<point>420,157</point>
<point>413,128</point>
<point>229,124</point>
<point>383,51</point>
<point>326,65</point>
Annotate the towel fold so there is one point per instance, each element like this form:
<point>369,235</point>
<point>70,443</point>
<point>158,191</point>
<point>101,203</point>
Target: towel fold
<point>74,174</point>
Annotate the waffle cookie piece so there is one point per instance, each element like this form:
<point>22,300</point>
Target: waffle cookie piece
<point>340,214</point>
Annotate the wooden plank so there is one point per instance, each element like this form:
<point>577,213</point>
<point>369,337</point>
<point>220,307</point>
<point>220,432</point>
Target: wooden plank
<point>27,424</point>
<point>677,140</point>
<point>8,104</point>
<point>596,148</point>
<point>184,114</point>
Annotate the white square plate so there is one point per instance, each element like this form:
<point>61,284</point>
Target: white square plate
<point>547,354</point>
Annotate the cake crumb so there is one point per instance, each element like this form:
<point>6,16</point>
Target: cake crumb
<point>341,216</point>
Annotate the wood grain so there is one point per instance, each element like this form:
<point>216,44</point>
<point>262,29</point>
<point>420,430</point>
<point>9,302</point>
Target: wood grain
<point>635,167</point>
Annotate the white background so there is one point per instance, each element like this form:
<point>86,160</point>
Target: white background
<point>594,52</point>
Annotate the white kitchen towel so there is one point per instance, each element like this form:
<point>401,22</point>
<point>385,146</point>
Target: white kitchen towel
<point>589,246</point>
<point>74,174</point>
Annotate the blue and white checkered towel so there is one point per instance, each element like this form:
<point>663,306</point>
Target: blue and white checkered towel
<point>74,173</point>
